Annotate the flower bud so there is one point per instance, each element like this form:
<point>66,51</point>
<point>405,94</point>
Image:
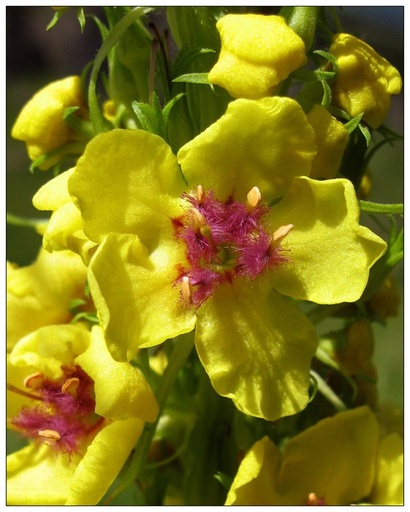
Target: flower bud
<point>365,81</point>
<point>258,52</point>
<point>130,64</point>
<point>41,125</point>
<point>303,21</point>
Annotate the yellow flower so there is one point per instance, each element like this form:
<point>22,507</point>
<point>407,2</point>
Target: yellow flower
<point>83,412</point>
<point>331,138</point>
<point>331,463</point>
<point>365,81</point>
<point>257,53</point>
<point>40,294</point>
<point>40,124</point>
<point>209,250</point>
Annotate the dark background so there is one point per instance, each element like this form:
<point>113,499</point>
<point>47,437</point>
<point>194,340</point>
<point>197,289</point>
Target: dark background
<point>35,57</point>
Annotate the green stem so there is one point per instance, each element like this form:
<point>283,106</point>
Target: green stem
<point>328,392</point>
<point>182,349</point>
<point>369,207</point>
<point>17,220</point>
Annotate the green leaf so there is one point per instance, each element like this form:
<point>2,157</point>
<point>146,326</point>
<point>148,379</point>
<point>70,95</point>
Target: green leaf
<point>73,148</point>
<point>327,94</point>
<point>167,109</point>
<point>81,18</point>
<point>183,60</point>
<point>366,133</point>
<point>353,123</point>
<point>193,78</point>
<point>225,480</point>
<point>150,116</point>
<point>328,56</point>
<point>57,15</point>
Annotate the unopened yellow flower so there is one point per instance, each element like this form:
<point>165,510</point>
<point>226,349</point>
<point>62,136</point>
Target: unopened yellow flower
<point>257,53</point>
<point>365,81</point>
<point>83,412</point>
<point>40,294</point>
<point>209,250</point>
<point>40,123</point>
<point>331,138</point>
<point>331,463</point>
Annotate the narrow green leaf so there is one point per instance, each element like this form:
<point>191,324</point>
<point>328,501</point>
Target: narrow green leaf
<point>57,15</point>
<point>81,18</point>
<point>193,78</point>
<point>353,123</point>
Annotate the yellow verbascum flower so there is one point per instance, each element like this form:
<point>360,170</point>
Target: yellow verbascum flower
<point>257,53</point>
<point>40,123</point>
<point>331,463</point>
<point>40,294</point>
<point>209,250</point>
<point>331,138</point>
<point>364,81</point>
<point>82,411</point>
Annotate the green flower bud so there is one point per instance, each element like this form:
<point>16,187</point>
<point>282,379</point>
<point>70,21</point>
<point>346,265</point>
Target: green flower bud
<point>194,29</point>
<point>303,21</point>
<point>129,62</point>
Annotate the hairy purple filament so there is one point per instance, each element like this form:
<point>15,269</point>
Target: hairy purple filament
<point>224,240</point>
<point>64,414</point>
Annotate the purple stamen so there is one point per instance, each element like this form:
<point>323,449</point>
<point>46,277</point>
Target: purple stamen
<point>224,240</point>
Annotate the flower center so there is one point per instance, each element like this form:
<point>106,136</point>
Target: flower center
<point>224,240</point>
<point>63,411</point>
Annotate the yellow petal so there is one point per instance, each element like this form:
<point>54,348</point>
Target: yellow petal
<point>331,138</point>
<point>256,348</point>
<point>40,294</point>
<point>54,193</point>
<point>65,227</point>
<point>121,391</point>
<point>333,459</point>
<point>258,470</point>
<point>389,481</point>
<point>257,53</point>
<point>36,476</point>
<point>326,246</point>
<point>262,143</point>
<point>103,461</point>
<point>50,347</point>
<point>135,188</point>
<point>135,293</point>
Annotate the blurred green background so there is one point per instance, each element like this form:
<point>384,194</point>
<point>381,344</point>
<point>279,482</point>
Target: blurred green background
<point>35,57</point>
